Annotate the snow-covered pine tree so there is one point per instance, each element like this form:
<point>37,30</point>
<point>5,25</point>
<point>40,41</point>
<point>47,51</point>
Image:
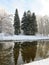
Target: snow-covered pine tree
<point>25,23</point>
<point>33,24</point>
<point>29,23</point>
<point>16,23</point>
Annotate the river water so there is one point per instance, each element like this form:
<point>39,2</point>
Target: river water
<point>24,53</point>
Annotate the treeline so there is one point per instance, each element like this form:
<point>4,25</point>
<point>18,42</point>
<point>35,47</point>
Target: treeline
<point>28,23</point>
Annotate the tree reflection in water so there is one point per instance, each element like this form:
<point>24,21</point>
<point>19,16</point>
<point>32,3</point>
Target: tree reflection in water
<point>6,55</point>
<point>16,52</point>
<point>28,51</point>
<point>43,49</point>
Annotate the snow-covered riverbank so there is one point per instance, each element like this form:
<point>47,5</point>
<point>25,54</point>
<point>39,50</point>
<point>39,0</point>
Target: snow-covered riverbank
<point>40,62</point>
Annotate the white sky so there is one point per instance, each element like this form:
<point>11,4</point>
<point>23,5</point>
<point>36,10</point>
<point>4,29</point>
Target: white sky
<point>40,7</point>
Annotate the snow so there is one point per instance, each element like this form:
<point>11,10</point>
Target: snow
<point>6,28</point>
<point>22,38</point>
<point>40,62</point>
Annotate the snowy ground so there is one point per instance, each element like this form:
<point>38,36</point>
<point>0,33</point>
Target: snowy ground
<point>40,62</point>
<point>22,38</point>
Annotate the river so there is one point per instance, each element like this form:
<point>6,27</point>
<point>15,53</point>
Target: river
<point>24,52</point>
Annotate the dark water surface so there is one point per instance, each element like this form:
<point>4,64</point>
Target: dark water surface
<point>24,53</point>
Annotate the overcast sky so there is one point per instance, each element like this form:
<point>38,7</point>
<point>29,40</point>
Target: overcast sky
<point>38,6</point>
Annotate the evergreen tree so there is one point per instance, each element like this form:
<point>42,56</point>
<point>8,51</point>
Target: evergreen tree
<point>25,23</point>
<point>16,23</point>
<point>29,23</point>
<point>33,24</point>
<point>17,31</point>
<point>29,26</point>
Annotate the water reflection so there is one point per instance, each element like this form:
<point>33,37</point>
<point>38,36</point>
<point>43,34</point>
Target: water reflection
<point>43,49</point>
<point>16,52</point>
<point>24,52</point>
<point>28,51</point>
<point>6,55</point>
